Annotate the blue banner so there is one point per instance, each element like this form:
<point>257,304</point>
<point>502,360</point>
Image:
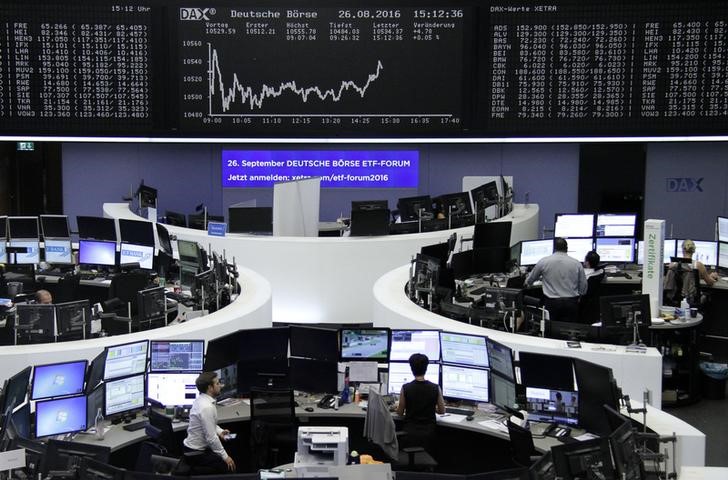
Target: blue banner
<point>337,169</point>
<point>216,229</point>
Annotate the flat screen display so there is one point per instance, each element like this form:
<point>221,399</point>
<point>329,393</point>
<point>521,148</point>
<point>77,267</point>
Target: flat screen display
<point>188,251</point>
<point>96,228</point>
<point>58,380</point>
<point>315,343</point>
<point>723,229</point>
<point>176,355</point>
<point>172,389</point>
<point>553,406</point>
<point>22,227</point>
<point>314,376</point>
<point>465,383</point>
<point>579,247</point>
<point>141,254</point>
<point>64,415</point>
<point>464,349</point>
<point>615,250</point>
<point>723,254</point>
<point>3,251</point>
<point>92,252</point>
<point>55,226</point>
<point>407,342</point>
<point>574,225</point>
<point>137,232</point>
<point>365,344</point>
<point>31,255</point>
<point>668,250</point>
<point>502,392</point>
<point>16,390</point>
<point>58,251</point>
<point>124,394</point>
<point>94,402</point>
<point>615,225</point>
<point>127,359</point>
<point>500,358</point>
<point>706,252</point>
<point>401,373</point>
<point>534,250</point>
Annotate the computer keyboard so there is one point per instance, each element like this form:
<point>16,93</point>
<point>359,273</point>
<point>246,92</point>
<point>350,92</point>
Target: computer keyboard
<point>477,291</point>
<point>459,411</point>
<point>133,427</point>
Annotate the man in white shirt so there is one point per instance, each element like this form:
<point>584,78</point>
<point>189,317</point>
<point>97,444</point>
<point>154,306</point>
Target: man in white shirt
<point>203,446</point>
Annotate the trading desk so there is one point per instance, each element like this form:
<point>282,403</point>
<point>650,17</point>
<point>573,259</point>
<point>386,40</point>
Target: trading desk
<point>328,279</point>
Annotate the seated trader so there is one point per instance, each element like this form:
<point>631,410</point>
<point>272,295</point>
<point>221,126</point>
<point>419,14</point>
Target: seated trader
<point>44,297</point>
<point>203,448</point>
<point>688,249</point>
<point>563,281</point>
<point>591,264</point>
<point>418,402</point>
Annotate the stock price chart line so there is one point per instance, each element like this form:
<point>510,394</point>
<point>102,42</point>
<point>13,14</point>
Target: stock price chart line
<point>308,70</point>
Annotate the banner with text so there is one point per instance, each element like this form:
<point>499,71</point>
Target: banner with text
<point>337,169</point>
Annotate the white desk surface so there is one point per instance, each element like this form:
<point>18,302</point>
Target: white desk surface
<point>703,473</point>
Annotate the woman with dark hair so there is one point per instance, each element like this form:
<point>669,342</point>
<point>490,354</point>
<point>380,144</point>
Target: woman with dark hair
<point>419,400</point>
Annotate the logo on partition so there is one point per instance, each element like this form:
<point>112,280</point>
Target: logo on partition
<point>684,184</point>
<point>196,14</point>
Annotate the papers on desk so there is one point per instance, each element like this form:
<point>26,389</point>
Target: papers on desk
<point>450,418</point>
<point>586,436</point>
<point>494,425</point>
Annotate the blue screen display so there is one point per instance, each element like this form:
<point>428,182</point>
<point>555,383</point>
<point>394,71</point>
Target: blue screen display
<point>96,253</point>
<point>64,415</point>
<point>141,254</point>
<point>58,251</point>
<point>31,255</point>
<point>337,168</point>
<point>58,380</point>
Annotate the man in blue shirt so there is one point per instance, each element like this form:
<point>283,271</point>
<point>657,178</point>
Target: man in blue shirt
<point>563,281</point>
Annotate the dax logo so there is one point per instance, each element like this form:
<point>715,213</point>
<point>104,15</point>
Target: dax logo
<point>196,13</point>
<point>684,184</point>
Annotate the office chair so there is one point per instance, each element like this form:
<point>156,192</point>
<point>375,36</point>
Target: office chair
<point>523,452</point>
<point>589,302</point>
<point>125,287</point>
<point>67,288</point>
<point>273,426</point>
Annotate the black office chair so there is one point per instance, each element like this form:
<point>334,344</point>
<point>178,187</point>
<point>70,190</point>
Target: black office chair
<point>273,426</point>
<point>589,302</point>
<point>523,452</point>
<point>67,288</point>
<point>124,287</point>
<point>161,453</point>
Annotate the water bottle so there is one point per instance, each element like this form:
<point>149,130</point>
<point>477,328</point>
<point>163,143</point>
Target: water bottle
<point>99,425</point>
<point>685,307</point>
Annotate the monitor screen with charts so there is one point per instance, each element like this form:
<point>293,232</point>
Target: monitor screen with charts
<point>534,250</point>
<point>706,252</point>
<point>30,254</point>
<point>127,359</point>
<point>579,247</point>
<point>502,392</point>
<point>401,373</point>
<point>722,229</point>
<point>668,250</point>
<point>568,225</point>
<point>124,394</point>
<point>176,355</point>
<point>465,383</point>
<point>58,380</point>
<point>63,415</point>
<point>615,225</point>
<point>141,254</point>
<point>464,349</point>
<point>552,406</point>
<point>500,358</point>
<point>407,342</point>
<point>615,250</point>
<point>58,251</point>
<point>365,344</point>
<point>172,389</point>
<point>92,252</point>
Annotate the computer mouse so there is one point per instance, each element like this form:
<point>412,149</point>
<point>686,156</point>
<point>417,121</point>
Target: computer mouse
<point>469,418</point>
<point>309,409</point>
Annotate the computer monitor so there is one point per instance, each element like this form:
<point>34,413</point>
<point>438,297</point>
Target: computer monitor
<point>534,250</point>
<point>39,319</point>
<point>188,251</point>
<point>454,204</point>
<point>58,251</point>
<point>500,359</point>
<point>16,390</point>
<point>187,273</point>
<point>579,247</point>
<point>571,331</point>
<point>228,376</point>
<point>176,355</point>
<point>546,371</point>
<point>314,376</point>
<point>502,392</point>
<point>669,248</point>
<point>407,342</point>
<point>369,223</point>
<point>19,421</point>
<point>64,456</point>
<point>96,228</point>
<point>147,196</point>
<point>490,259</point>
<point>367,205</point>
<point>124,395</point>
<point>54,226</point>
<point>574,225</point>
<point>23,228</point>
<point>723,229</point>
<point>364,344</point>
<point>141,254</point>
<point>615,225</point>
<point>30,254</point>
<point>223,351</point>
<point>315,343</point>
<point>464,349</point>
<point>175,218</point>
<point>172,389</point>
<point>625,451</point>
<point>197,221</point>
<point>63,415</point>
<point>151,304</point>
<point>622,311</point>
<point>263,343</point>
<point>465,383</point>
<point>72,317</point>
<point>484,196</point>
<point>92,252</point>
<point>256,220</point>
<point>596,389</point>
<point>411,207</point>
<point>706,252</point>
<point>95,373</point>
<point>401,373</point>
<point>126,359</point>
<point>492,235</point>
<point>552,406</point>
<point>3,239</point>
<point>615,250</point>
<point>58,379</point>
<point>585,459</point>
<point>95,401</point>
<point>165,243</point>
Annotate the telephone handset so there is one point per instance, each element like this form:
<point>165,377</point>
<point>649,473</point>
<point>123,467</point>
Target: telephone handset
<point>327,401</point>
